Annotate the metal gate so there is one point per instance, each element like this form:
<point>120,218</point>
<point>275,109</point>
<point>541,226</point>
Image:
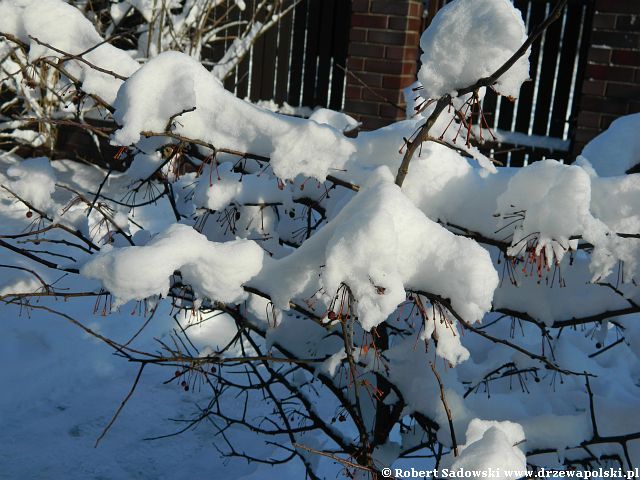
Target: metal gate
<point>299,60</point>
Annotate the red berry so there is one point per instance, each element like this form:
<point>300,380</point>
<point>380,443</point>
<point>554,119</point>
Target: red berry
<point>332,315</point>
<point>177,373</point>
<point>29,214</point>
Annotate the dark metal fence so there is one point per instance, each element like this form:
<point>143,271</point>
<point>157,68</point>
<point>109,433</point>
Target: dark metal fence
<point>299,60</point>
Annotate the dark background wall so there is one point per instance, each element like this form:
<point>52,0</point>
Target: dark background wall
<point>611,86</point>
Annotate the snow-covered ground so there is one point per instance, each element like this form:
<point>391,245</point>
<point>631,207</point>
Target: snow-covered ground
<point>61,386</point>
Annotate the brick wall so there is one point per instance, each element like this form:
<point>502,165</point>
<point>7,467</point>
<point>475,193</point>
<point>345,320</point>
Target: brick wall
<point>611,86</point>
<point>383,50</point>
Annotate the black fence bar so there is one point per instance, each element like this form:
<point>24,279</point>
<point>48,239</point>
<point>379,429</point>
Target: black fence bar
<point>298,60</point>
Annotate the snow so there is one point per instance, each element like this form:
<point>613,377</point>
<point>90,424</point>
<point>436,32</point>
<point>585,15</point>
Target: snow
<point>518,138</point>
<point>547,302</point>
<point>28,137</point>
<point>537,191</point>
<point>468,40</point>
<point>331,364</point>
<point>340,121</point>
<point>494,450</point>
<point>561,431</point>
<point>456,136</point>
<point>490,448</point>
<point>615,150</point>
<point>221,186</point>
<point>50,422</point>
<point>312,150</point>
<point>50,21</point>
<point>520,206</point>
<point>136,112</point>
<point>68,386</point>
<point>285,108</point>
<point>148,7</point>
<point>623,215</point>
<point>477,429</point>
<point>34,181</point>
<point>382,253</point>
<point>445,333</point>
<point>144,165</point>
<point>296,147</point>
<point>11,12</point>
<point>20,283</point>
<point>215,271</point>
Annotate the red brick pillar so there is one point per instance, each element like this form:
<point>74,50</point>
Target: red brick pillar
<point>611,86</point>
<point>383,53</point>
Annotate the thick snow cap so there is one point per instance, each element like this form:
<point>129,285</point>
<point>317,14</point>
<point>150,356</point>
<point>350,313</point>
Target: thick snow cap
<point>468,40</point>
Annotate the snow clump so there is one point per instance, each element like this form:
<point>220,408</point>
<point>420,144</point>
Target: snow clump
<point>197,105</point>
<point>35,181</point>
<point>379,245</point>
<point>492,445</point>
<point>468,40</point>
<point>50,21</point>
<point>616,150</point>
<point>215,270</point>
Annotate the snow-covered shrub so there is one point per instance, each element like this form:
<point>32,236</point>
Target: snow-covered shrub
<point>373,299</point>
<point>62,62</point>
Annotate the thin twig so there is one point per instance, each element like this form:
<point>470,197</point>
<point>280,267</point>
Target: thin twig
<point>369,89</point>
<point>592,411</point>
<point>447,410</point>
<point>122,404</point>
<point>70,56</point>
<point>334,457</point>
